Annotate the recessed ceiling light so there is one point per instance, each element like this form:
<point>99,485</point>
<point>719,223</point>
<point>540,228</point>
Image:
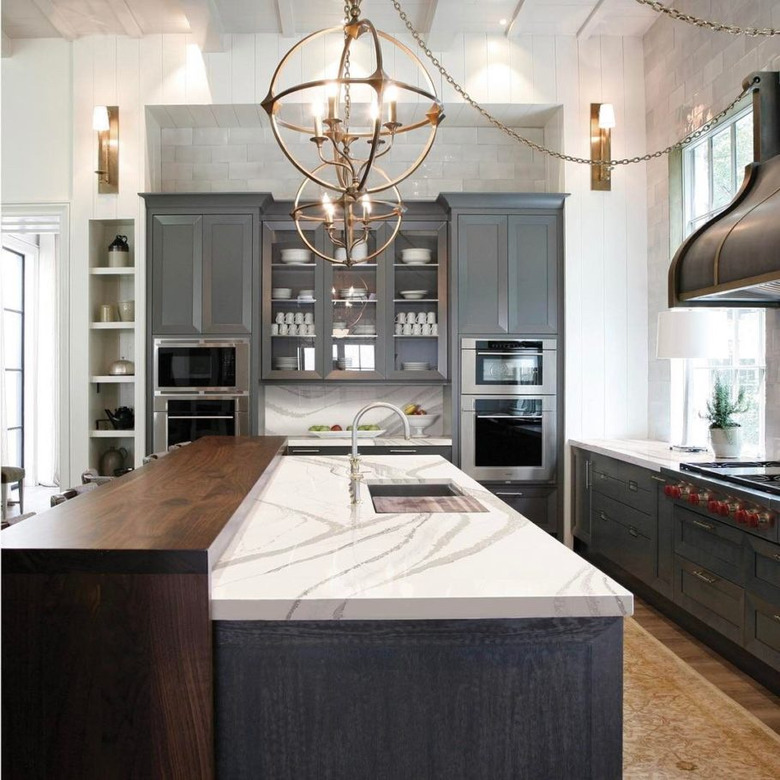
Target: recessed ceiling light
<point>502,22</point>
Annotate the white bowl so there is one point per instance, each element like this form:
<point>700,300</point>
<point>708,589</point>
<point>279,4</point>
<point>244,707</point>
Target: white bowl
<point>413,295</point>
<point>281,292</point>
<point>305,293</point>
<point>416,254</point>
<point>419,422</point>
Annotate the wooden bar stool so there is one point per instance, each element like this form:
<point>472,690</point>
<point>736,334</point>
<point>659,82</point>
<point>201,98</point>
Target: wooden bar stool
<point>10,476</point>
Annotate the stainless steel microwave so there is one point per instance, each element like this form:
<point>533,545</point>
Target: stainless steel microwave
<point>201,365</point>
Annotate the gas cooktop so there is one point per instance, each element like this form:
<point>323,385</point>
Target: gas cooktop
<point>760,475</point>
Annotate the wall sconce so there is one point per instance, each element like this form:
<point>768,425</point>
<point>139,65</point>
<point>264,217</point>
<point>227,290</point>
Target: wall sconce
<point>602,120</point>
<point>105,121</point>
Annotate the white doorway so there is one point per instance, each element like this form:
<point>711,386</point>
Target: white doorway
<point>34,304</point>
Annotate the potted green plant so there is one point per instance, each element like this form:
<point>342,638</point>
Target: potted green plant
<point>725,432</point>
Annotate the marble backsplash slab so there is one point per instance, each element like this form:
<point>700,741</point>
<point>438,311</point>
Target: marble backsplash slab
<point>291,409</point>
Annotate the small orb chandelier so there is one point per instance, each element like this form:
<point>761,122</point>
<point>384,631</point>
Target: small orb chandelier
<point>354,119</point>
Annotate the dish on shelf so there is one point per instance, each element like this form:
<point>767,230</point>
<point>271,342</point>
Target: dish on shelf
<point>351,294</point>
<point>305,293</point>
<point>347,434</point>
<point>413,295</point>
<point>340,333</point>
<point>415,366</point>
<point>364,330</point>
<point>416,256</point>
<point>286,364</point>
<point>295,256</point>
<point>281,292</point>
<point>419,422</point>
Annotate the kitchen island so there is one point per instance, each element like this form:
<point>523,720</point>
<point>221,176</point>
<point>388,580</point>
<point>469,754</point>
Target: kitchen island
<point>228,601</point>
<point>464,644</point>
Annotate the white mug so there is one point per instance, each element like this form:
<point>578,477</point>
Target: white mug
<point>417,329</point>
<point>407,329</point>
<point>426,330</point>
<point>400,317</point>
<point>431,317</point>
<point>275,329</point>
<point>310,328</point>
<point>434,329</point>
<point>279,318</point>
<point>283,329</point>
<point>292,330</point>
<point>308,318</point>
<point>298,317</point>
<point>399,329</point>
<point>421,317</point>
<point>288,318</point>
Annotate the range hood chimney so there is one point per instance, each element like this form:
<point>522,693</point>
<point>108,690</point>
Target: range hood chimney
<point>734,259</point>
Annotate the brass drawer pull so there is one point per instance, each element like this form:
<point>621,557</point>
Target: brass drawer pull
<point>509,493</point>
<point>658,479</point>
<point>403,452</point>
<point>633,532</point>
<point>300,450</point>
<point>776,617</point>
<point>705,526</point>
<point>776,556</point>
<point>603,515</point>
<point>633,486</point>
<point>705,577</point>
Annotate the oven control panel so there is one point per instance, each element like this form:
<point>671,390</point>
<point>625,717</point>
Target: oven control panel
<point>731,509</point>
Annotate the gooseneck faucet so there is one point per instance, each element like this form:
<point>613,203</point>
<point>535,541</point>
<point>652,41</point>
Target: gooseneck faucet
<point>354,460</point>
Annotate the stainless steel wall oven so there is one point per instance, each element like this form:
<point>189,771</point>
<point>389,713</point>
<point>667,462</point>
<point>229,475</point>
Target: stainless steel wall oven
<point>508,366</point>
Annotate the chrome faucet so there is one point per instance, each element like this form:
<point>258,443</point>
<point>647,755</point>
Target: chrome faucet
<point>355,476</point>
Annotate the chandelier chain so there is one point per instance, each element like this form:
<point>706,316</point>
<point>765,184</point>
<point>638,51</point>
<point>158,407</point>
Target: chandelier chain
<point>543,149</point>
<point>732,29</point>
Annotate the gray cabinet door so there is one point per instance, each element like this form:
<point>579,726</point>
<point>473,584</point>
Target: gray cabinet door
<point>482,274</point>
<point>581,476</point>
<point>227,273</point>
<point>532,274</point>
<point>177,268</point>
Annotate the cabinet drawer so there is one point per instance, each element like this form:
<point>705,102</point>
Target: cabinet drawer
<point>710,597</point>
<point>537,503</point>
<point>763,568</point>
<point>625,515</point>
<point>625,483</point>
<point>403,449</point>
<point>709,543</point>
<point>628,548</point>
<point>762,629</point>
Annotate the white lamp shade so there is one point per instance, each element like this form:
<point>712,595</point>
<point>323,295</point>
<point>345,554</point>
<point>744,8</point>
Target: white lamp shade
<point>100,118</point>
<point>606,116</point>
<point>683,333</point>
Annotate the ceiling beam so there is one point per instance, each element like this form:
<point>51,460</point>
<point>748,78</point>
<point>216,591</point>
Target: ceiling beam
<point>437,39</point>
<point>591,23</point>
<point>7,47</point>
<point>286,18</point>
<point>205,23</point>
<point>126,18</point>
<point>428,17</point>
<point>515,26</point>
<point>55,18</point>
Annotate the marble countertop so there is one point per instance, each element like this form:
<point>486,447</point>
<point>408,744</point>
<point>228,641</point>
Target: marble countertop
<point>304,553</point>
<point>301,440</point>
<point>642,452</point>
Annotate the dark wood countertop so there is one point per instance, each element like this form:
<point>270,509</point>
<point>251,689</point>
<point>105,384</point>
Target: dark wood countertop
<point>175,514</point>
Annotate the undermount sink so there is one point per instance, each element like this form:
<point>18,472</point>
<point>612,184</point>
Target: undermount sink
<point>421,496</point>
<point>413,489</point>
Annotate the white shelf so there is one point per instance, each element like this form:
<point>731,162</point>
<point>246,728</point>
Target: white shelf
<point>126,434</point>
<point>120,271</point>
<point>416,266</point>
<point>293,300</point>
<point>350,301</point>
<point>413,336</point>
<point>293,265</point>
<point>108,379</point>
<point>357,336</point>
<point>293,336</point>
<point>415,300</point>
<point>112,325</point>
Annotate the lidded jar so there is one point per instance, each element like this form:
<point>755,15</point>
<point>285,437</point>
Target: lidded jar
<point>119,252</point>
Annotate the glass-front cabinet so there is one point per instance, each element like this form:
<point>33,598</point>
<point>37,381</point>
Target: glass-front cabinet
<point>383,319</point>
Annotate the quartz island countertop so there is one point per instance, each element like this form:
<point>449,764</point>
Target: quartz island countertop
<point>397,440</point>
<point>304,553</point>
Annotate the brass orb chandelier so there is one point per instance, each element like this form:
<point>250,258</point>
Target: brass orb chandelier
<point>352,120</point>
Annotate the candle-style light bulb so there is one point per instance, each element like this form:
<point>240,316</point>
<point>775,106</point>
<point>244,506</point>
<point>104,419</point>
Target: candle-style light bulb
<point>332,93</point>
<point>391,98</point>
<point>316,109</point>
<point>366,201</point>
<point>373,111</point>
<point>328,206</point>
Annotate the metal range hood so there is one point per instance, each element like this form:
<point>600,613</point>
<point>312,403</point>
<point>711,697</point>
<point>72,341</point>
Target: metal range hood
<point>734,259</point>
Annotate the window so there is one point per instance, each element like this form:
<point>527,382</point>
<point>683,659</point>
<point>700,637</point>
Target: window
<point>713,169</point>
<point>12,272</point>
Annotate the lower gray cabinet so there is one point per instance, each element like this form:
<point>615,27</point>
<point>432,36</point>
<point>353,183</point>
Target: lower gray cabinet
<point>622,543</point>
<point>539,503</point>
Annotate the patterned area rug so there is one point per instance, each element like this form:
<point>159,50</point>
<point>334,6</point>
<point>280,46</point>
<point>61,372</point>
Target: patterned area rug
<point>678,725</point>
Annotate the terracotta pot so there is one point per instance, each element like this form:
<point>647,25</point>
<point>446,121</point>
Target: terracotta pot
<point>726,442</point>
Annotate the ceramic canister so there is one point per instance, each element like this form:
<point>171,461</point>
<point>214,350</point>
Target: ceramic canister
<point>126,310</point>
<point>107,312</point>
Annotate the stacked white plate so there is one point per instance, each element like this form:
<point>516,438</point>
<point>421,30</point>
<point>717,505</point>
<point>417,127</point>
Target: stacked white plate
<point>415,366</point>
<point>286,363</point>
<point>306,295</point>
<point>413,295</point>
<point>364,330</point>
<point>415,256</point>
<point>281,292</point>
<point>295,256</point>
<point>353,293</point>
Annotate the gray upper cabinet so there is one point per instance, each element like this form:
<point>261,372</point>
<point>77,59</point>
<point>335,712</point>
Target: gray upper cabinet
<point>201,273</point>
<point>177,268</point>
<point>509,257</point>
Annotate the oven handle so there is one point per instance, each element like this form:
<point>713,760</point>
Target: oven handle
<point>201,417</point>
<point>519,418</point>
<point>511,354</point>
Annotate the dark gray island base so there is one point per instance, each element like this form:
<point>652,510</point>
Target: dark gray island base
<point>495,699</point>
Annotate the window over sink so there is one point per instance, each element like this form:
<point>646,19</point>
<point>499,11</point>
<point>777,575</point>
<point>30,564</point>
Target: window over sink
<point>712,173</point>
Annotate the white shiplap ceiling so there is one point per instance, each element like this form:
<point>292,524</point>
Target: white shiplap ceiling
<point>439,20</point>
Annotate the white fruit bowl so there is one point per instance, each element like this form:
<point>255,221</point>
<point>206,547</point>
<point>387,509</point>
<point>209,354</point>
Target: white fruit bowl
<point>419,422</point>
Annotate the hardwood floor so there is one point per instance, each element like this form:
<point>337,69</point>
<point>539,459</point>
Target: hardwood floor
<point>756,699</point>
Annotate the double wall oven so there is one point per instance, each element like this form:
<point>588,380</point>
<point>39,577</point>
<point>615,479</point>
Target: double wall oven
<point>508,409</point>
<point>201,388</point>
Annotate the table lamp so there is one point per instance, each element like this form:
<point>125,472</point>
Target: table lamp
<point>688,334</point>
